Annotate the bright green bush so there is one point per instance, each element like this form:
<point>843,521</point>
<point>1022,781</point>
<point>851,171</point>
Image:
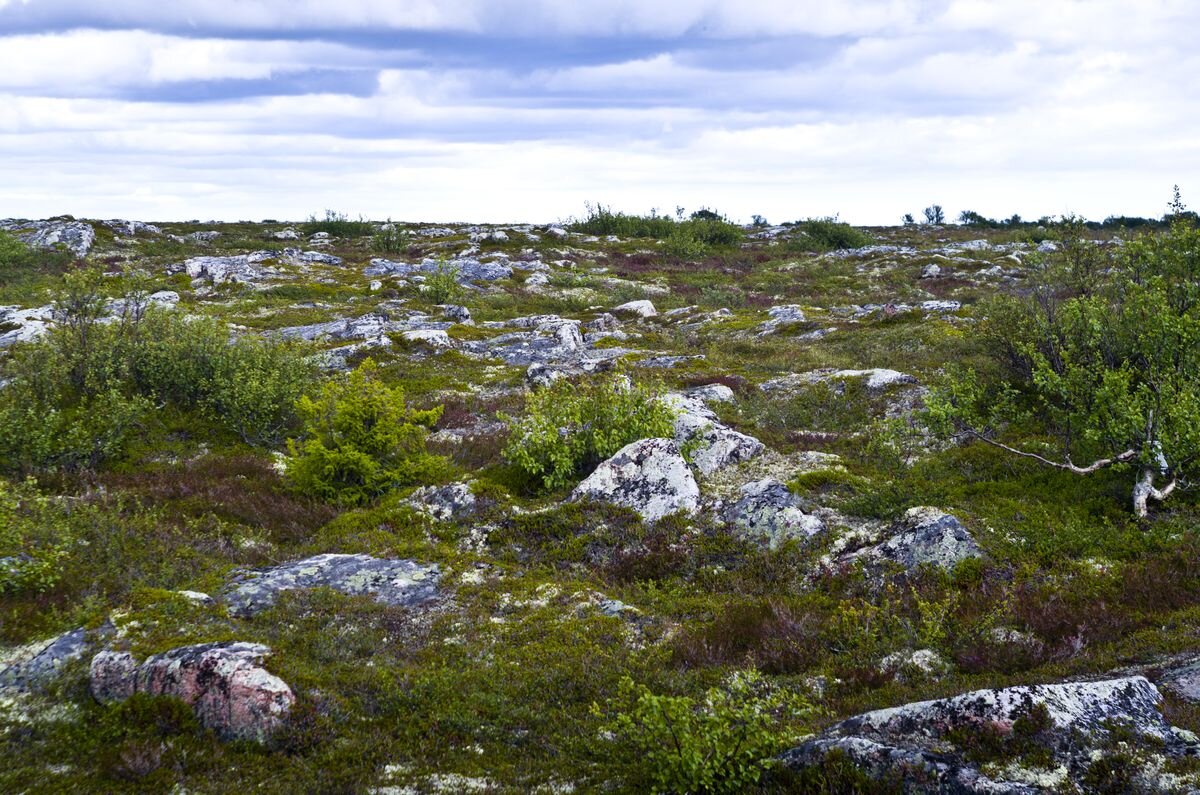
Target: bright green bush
<point>569,427</point>
<point>720,744</point>
<point>34,539</point>
<point>828,234</point>
<point>442,286</point>
<point>360,440</point>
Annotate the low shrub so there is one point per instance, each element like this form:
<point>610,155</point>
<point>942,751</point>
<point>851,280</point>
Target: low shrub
<point>570,427</point>
<point>33,539</point>
<point>75,396</point>
<point>827,234</point>
<point>337,225</point>
<point>442,286</point>
<point>360,440</point>
<point>721,743</point>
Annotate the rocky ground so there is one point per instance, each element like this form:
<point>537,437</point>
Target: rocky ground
<point>956,619</point>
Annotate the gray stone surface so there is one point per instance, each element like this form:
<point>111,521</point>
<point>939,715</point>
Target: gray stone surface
<point>391,582</point>
<point>649,476</point>
<point>767,511</point>
<point>712,445</point>
<point>76,236</point>
<point>37,664</point>
<point>925,536</point>
<point>916,742</point>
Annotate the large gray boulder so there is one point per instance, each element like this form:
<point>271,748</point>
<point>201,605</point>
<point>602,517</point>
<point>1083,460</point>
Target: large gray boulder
<point>767,511</point>
<point>224,684</point>
<point>649,476</point>
<point>391,582</point>
<point>920,744</point>
<point>712,445</point>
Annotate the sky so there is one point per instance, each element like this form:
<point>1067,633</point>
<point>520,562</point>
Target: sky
<point>526,110</point>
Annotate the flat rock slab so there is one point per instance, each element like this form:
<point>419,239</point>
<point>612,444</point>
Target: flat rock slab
<point>392,582</point>
<point>224,684</point>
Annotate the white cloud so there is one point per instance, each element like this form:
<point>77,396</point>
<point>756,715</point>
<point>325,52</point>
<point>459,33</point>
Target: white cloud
<point>1023,106</point>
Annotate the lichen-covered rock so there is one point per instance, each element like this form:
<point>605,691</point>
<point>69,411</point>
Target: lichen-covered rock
<point>649,476</point>
<point>36,664</point>
<point>780,316</point>
<point>925,536</point>
<point>444,502</point>
<point>918,742</point>
<point>642,308</point>
<point>391,582</point>
<point>248,268</point>
<point>766,510</point>
<point>76,236</point>
<point>224,684</point>
<point>712,445</point>
<point>877,379</point>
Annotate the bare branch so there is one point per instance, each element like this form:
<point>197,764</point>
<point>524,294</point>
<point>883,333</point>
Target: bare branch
<point>1128,455</point>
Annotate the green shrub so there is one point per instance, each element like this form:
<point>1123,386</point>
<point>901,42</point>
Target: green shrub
<point>75,396</point>
<point>360,440</point>
<point>338,225</point>
<point>722,743</point>
<point>602,220</point>
<point>33,539</point>
<point>826,234</point>
<point>442,286</point>
<point>390,239</point>
<point>569,428</point>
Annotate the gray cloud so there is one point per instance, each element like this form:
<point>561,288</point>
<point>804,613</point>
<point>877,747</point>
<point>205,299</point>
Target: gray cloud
<point>856,104</point>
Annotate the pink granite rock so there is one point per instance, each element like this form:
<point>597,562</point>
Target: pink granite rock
<point>224,683</point>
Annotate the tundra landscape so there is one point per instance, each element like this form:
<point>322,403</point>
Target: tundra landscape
<point>622,503</point>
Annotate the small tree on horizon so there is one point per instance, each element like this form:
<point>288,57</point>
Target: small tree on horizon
<point>934,214</point>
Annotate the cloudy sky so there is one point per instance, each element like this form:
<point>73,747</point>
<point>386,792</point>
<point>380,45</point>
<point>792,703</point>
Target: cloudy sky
<point>522,110</point>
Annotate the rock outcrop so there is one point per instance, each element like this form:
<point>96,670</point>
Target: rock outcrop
<point>224,684</point>
<point>391,582</point>
<point>767,511</point>
<point>925,745</point>
<point>923,537</point>
<point>712,445</point>
<point>649,475</point>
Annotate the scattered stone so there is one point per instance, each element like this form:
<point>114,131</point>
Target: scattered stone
<point>767,510</point>
<point>458,314</point>
<point>224,684</point>
<point>642,308</point>
<point>781,316</point>
<point>391,582</point>
<point>711,393</point>
<point>76,236</point>
<point>711,444</point>
<point>931,271</point>
<point>649,475</point>
<point>286,234</point>
<point>878,379</point>
<point>444,502</point>
<point>434,338</point>
<point>131,228</point>
<point>909,665</point>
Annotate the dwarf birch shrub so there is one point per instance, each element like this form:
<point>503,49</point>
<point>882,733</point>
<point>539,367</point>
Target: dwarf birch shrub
<point>570,427</point>
<point>719,744</point>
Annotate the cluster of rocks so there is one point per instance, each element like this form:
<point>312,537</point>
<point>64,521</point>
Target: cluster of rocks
<point>927,746</point>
